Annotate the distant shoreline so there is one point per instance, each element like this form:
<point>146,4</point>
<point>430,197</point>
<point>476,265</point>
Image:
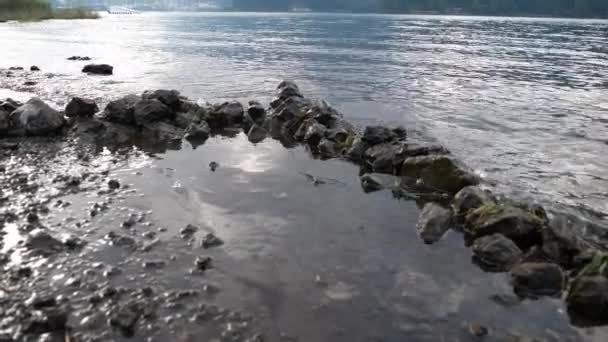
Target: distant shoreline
<point>454,14</point>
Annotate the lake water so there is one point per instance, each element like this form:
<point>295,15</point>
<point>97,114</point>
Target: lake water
<point>522,101</point>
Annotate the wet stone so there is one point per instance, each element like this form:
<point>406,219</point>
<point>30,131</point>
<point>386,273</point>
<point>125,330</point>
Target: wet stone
<point>210,240</point>
<point>113,184</point>
<point>533,279</point>
<point>188,230</point>
<point>81,107</point>
<point>154,264</point>
<point>203,263</point>
<point>496,253</point>
<point>433,223</point>
<point>98,69</point>
<point>588,301</point>
<point>471,198</point>
<point>34,68</point>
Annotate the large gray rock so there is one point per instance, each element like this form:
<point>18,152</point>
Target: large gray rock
<point>256,112</point>
<point>519,225</point>
<point>496,253</point>
<point>326,148</point>
<point>36,118</point>
<point>324,114</point>
<point>374,135</point>
<point>79,107</point>
<point>356,151</point>
<point>471,198</point>
<point>227,114</point>
<point>386,157</point>
<point>439,172</point>
<point>433,222</point>
<point>256,134</point>
<point>169,98</point>
<point>536,279</point>
<point>98,69</point>
<point>561,243</point>
<point>148,111</point>
<point>588,301</point>
<point>314,134</point>
<point>122,110</point>
<point>198,133</point>
<point>288,89</point>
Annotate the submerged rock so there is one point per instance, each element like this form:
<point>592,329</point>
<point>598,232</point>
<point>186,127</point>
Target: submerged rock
<point>471,198</point>
<point>439,172</point>
<point>203,263</point>
<point>535,279</point>
<point>371,182</point>
<point>36,118</point>
<point>98,69</point>
<point>149,111</point>
<point>588,301</point>
<point>517,224</point>
<point>433,222</point>
<point>81,108</point>
<point>496,253</point>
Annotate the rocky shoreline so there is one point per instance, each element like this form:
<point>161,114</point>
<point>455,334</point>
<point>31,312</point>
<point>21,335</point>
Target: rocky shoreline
<point>542,256</point>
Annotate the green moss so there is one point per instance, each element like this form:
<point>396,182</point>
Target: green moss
<point>597,266</point>
<point>346,144</point>
<point>486,210</point>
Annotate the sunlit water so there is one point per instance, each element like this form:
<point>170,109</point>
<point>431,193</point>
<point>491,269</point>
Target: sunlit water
<point>522,101</point>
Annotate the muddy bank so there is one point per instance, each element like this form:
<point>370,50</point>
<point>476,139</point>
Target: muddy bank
<point>542,256</point>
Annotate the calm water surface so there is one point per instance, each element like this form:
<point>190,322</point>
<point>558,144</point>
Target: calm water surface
<point>522,101</point>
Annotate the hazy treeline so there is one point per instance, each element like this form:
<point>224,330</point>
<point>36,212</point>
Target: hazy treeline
<point>38,10</point>
<point>568,8</point>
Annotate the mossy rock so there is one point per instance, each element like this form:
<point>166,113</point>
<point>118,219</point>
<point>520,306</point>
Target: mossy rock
<point>517,224</point>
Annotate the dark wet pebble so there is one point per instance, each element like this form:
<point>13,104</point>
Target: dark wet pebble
<point>213,166</point>
<point>210,240</point>
<point>188,230</point>
<point>34,68</point>
<point>113,184</point>
<point>154,264</point>
<point>203,263</point>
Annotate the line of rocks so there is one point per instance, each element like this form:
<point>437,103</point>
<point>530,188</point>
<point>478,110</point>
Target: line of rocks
<point>542,257</point>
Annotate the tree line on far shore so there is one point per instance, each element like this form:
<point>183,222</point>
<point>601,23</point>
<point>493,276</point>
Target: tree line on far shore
<point>561,8</point>
<point>32,10</point>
